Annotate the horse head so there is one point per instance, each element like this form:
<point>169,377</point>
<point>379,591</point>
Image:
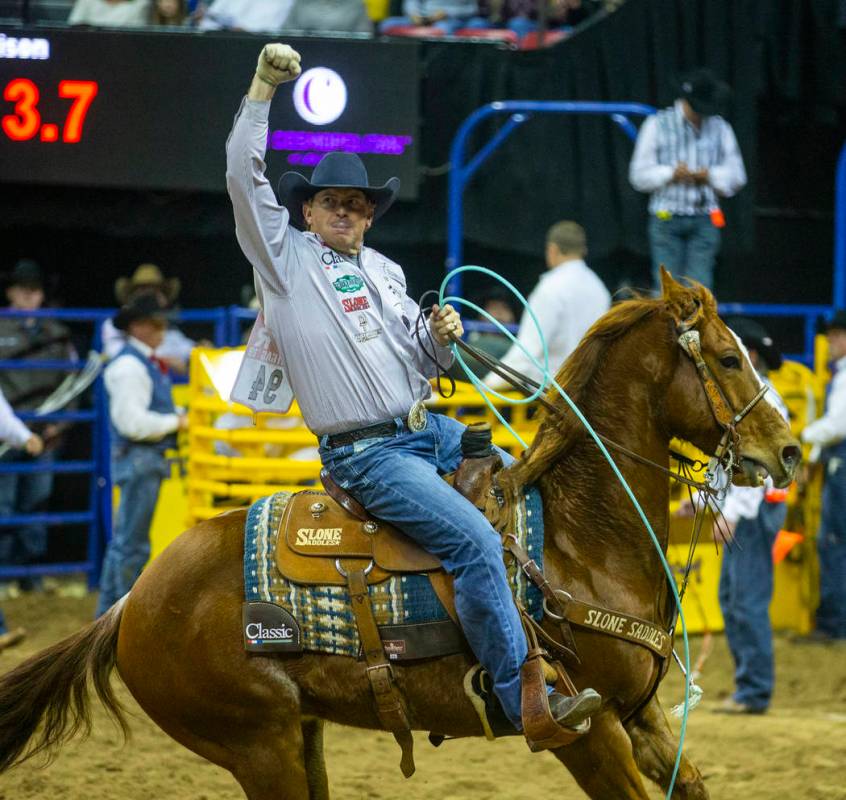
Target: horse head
<point>713,398</point>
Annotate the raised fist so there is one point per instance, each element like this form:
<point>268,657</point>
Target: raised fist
<point>278,63</point>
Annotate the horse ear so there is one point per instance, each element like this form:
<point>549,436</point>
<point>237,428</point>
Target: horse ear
<point>683,303</point>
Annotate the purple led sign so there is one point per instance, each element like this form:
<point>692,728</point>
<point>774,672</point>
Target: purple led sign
<point>306,147</point>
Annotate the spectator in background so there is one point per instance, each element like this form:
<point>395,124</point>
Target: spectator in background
<point>110,13</point>
<point>753,516</point>
<point>446,15</point>
<point>521,16</point>
<point>15,434</point>
<point>169,12</point>
<point>30,339</point>
<point>568,299</point>
<point>316,16</point>
<point>176,348</point>
<point>144,422</point>
<point>686,157</point>
<point>256,16</point>
<point>828,437</point>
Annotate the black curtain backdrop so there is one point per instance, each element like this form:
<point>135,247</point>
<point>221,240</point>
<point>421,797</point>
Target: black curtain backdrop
<point>784,61</point>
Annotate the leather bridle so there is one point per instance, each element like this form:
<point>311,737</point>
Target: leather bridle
<point>728,449</point>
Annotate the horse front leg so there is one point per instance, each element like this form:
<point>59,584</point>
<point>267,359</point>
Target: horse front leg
<point>655,749</point>
<point>602,762</point>
<point>315,763</point>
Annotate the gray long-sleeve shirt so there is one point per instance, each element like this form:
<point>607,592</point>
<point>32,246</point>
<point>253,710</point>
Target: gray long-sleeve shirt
<point>343,324</point>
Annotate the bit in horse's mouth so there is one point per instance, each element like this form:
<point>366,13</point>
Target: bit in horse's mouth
<point>754,470</point>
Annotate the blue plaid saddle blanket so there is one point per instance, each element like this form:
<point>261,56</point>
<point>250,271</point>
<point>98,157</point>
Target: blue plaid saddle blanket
<point>326,620</point>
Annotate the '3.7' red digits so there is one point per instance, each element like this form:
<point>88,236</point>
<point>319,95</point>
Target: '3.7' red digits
<point>25,120</point>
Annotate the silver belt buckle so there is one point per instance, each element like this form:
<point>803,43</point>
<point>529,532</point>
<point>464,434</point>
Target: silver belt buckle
<point>418,417</point>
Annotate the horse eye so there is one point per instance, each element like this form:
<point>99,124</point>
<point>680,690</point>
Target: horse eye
<point>730,362</point>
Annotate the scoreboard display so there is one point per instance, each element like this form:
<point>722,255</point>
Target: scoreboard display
<point>152,110</point>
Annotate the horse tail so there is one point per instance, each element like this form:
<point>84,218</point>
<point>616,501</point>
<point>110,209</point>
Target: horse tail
<point>50,690</point>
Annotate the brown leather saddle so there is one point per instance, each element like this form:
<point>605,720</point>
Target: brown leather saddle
<point>330,538</point>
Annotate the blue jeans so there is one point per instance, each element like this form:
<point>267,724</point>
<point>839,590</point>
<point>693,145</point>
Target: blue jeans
<point>24,494</point>
<point>449,25</point>
<point>831,548</point>
<point>686,246</point>
<point>398,479</point>
<point>746,588</point>
<point>138,470</point>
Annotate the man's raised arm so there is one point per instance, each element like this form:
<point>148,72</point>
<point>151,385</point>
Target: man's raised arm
<point>260,222</point>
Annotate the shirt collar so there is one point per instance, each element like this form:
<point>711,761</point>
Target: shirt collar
<point>142,348</point>
<point>840,366</point>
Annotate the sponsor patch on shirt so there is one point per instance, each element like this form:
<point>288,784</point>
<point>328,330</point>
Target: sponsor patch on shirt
<point>367,332</point>
<point>330,259</point>
<point>351,304</point>
<point>348,284</point>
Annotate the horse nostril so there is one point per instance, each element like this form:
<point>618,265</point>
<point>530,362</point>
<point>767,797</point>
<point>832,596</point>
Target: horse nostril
<point>791,455</point>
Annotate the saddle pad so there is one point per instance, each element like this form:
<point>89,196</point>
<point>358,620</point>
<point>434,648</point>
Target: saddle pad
<point>326,621</point>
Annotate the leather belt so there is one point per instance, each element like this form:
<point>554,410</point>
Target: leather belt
<point>415,421</point>
<point>370,432</point>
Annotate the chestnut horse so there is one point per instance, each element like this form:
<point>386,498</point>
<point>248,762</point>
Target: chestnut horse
<point>177,643</point>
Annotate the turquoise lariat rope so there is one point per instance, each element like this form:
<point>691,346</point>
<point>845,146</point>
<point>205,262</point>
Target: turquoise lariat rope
<point>548,379</point>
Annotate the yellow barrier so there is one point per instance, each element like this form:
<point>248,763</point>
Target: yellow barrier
<point>234,458</point>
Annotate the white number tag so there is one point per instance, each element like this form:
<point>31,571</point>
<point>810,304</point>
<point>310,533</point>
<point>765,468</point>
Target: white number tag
<point>262,384</point>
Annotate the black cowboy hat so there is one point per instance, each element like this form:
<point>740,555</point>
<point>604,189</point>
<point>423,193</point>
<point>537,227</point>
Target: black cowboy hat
<point>27,274</point>
<point>755,337</point>
<point>144,306</point>
<point>334,171</point>
<point>706,94</point>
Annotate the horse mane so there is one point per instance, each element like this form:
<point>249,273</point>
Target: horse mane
<point>578,372</point>
<point>560,431</point>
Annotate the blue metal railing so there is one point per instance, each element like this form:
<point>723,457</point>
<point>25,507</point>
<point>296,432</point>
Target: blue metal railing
<point>97,517</point>
<point>520,111</point>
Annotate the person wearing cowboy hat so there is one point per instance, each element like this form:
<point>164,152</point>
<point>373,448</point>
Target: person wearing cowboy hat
<point>30,339</point>
<point>176,348</point>
<point>827,435</point>
<point>686,158</point>
<point>341,318</point>
<point>752,517</point>
<point>143,425</point>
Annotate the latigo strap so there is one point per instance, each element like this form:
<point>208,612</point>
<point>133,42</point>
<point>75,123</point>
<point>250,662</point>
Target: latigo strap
<point>389,702</point>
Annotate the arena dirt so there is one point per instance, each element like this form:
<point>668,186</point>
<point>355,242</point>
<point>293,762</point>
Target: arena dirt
<point>798,750</point>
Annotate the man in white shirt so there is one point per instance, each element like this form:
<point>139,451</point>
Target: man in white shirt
<point>342,320</point>
<point>143,424</point>
<point>686,157</point>
<point>828,435</point>
<point>568,299</point>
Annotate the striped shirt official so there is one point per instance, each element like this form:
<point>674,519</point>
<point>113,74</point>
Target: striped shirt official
<point>667,139</point>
